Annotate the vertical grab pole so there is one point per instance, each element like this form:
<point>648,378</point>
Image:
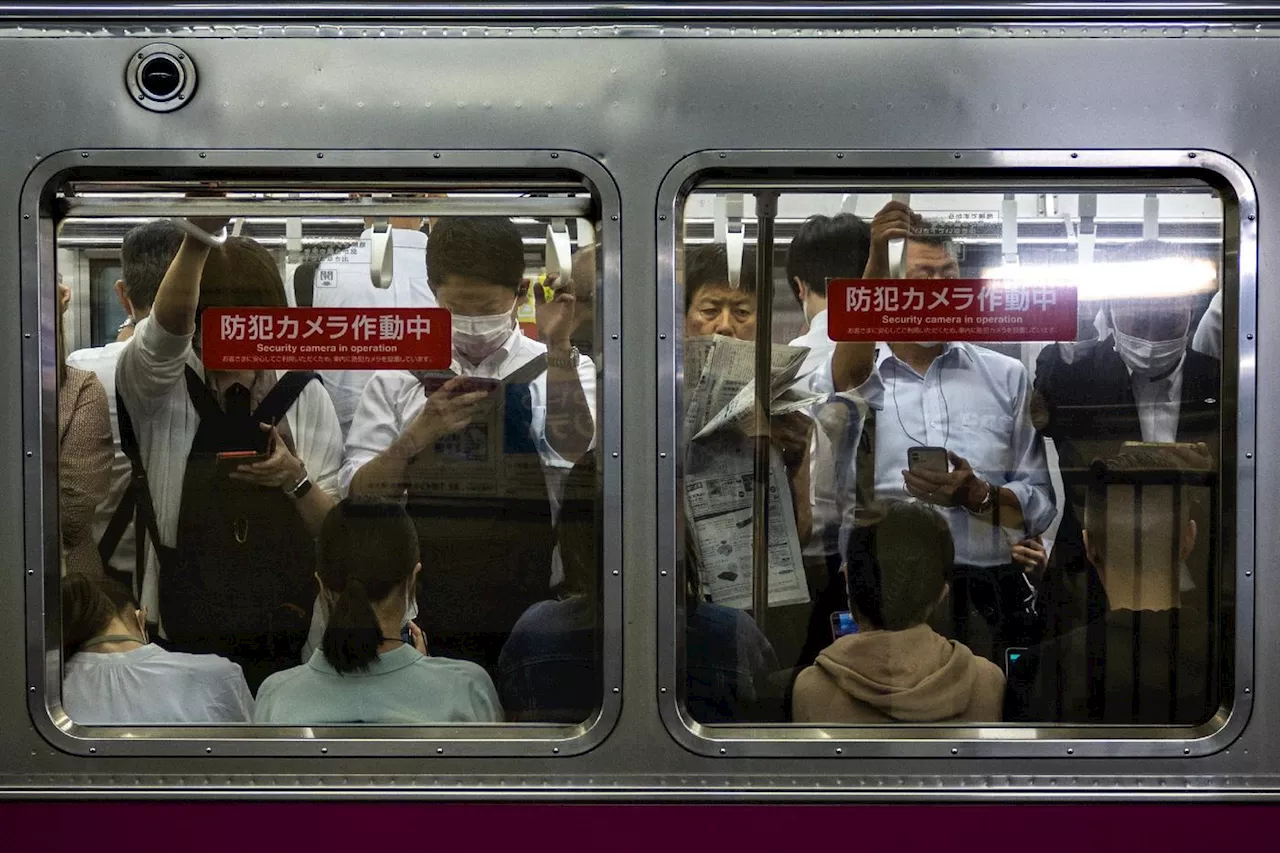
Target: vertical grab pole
<point>766,212</point>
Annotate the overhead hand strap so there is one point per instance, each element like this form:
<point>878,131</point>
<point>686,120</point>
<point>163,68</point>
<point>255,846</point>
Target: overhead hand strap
<point>735,237</point>
<point>381,254</point>
<point>898,248</point>
<point>559,254</point>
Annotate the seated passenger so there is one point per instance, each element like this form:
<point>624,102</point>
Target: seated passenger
<point>1148,660</point>
<point>549,670</point>
<point>1142,383</point>
<point>363,672</point>
<point>231,572</point>
<point>479,457</point>
<point>896,668</point>
<point>113,676</point>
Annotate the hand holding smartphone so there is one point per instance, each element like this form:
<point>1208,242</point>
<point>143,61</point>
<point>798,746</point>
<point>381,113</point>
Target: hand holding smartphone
<point>932,459</point>
<point>229,460</point>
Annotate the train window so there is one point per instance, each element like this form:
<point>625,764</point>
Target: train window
<point>950,459</point>
<point>337,470</point>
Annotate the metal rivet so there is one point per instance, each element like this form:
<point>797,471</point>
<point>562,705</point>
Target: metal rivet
<point>31,571</point>
<point>1248,573</point>
<point>615,573</point>
<point>615,337</point>
<point>663,455</point>
<point>956,155</point>
<point>723,155</point>
<point>27,335</point>
<point>1186,750</point>
<point>662,337</point>
<point>439,750</point>
<point>1074,155</point>
<point>92,750</point>
<point>662,217</point>
<point>1252,217</point>
<point>614,217</point>
<point>319,155</point>
<point>839,751</point>
<point>661,690</point>
<point>1191,154</point>
<point>1246,691</point>
<point>955,751</point>
<point>436,155</point>
<point>555,750</point>
<point>26,216</point>
<point>1249,336</point>
<point>722,749</point>
<point>615,454</point>
<point>839,156</point>
<point>1071,752</point>
<point>555,156</point>
<point>32,689</point>
<point>30,454</point>
<point>324,750</point>
<point>203,155</point>
<point>208,750</point>
<point>664,573</point>
<point>1248,456</point>
<point>84,155</point>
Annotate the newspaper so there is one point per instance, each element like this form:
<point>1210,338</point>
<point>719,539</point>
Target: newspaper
<point>719,473</point>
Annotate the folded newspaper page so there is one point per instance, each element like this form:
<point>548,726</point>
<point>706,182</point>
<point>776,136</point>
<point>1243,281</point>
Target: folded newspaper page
<point>720,467</point>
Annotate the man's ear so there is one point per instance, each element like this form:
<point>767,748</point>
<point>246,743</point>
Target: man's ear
<point>802,289</point>
<point>1188,543</point>
<point>123,298</point>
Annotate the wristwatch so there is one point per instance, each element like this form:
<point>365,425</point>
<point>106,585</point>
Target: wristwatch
<point>988,500</point>
<point>299,489</point>
<point>570,360</point>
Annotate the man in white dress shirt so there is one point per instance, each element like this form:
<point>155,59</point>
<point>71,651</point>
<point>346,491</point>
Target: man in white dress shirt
<point>479,458</point>
<point>996,494</point>
<point>144,256</point>
<point>343,281</point>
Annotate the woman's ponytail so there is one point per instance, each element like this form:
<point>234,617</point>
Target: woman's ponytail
<point>353,635</point>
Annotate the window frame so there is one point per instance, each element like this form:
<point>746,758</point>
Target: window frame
<point>992,170</point>
<point>40,441</point>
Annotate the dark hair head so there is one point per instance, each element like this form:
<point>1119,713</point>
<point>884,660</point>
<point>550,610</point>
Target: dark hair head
<point>708,266</point>
<point>366,551</point>
<point>938,241</point>
<point>145,255</point>
<point>576,528</point>
<point>486,248</point>
<point>828,247</point>
<point>241,274</point>
<point>898,567</point>
<point>1149,467</point>
<point>89,603</point>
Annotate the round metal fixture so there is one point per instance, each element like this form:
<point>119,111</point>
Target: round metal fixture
<point>161,77</point>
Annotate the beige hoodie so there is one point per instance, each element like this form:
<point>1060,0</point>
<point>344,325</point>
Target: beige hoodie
<point>911,676</point>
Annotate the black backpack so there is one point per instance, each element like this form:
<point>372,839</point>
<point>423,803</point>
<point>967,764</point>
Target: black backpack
<point>238,580</point>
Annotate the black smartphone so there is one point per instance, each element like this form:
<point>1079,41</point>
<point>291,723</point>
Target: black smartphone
<point>922,458</point>
<point>432,382</point>
<point>1011,656</point>
<point>843,624</point>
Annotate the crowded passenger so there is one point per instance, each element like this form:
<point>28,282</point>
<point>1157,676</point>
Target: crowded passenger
<point>343,281</point>
<point>232,568</point>
<point>480,451</point>
<point>549,669</point>
<point>1149,659</point>
<point>84,454</point>
<point>1208,337</point>
<point>1141,383</point>
<point>583,281</point>
<point>145,254</point>
<point>367,568</point>
<point>113,674</point>
<point>995,492</point>
<point>894,667</point>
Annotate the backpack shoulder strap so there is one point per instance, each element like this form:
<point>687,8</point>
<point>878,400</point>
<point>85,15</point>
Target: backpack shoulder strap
<point>143,509</point>
<point>201,397</point>
<point>283,395</point>
<point>527,372</point>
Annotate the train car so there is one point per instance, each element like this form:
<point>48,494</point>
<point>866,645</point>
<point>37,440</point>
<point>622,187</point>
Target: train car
<point>630,310</point>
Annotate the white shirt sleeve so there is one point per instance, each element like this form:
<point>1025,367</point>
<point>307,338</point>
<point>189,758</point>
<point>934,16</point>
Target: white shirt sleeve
<point>318,437</point>
<point>150,364</point>
<point>1208,337</point>
<point>379,420</point>
<point>538,423</point>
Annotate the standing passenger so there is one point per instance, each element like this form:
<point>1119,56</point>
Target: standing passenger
<point>367,568</point>
<point>974,403</point>
<point>480,456</point>
<point>236,540</point>
<point>144,256</point>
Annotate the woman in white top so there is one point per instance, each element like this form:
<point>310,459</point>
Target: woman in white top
<point>364,672</point>
<point>113,676</point>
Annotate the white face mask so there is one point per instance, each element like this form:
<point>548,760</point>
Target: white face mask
<point>1148,358</point>
<point>927,344</point>
<point>476,338</point>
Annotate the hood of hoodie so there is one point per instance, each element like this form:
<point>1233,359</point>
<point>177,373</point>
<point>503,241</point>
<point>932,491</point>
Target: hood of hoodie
<point>914,675</point>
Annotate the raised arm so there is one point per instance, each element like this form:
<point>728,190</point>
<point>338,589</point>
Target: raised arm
<point>570,426</point>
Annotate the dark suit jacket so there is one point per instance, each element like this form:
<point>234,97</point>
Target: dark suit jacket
<point>1087,407</point>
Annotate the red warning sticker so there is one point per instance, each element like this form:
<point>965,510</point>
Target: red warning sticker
<point>971,309</point>
<point>324,338</point>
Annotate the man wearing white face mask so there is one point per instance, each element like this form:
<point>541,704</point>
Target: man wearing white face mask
<point>1142,383</point>
<point>485,451</point>
<point>995,494</point>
